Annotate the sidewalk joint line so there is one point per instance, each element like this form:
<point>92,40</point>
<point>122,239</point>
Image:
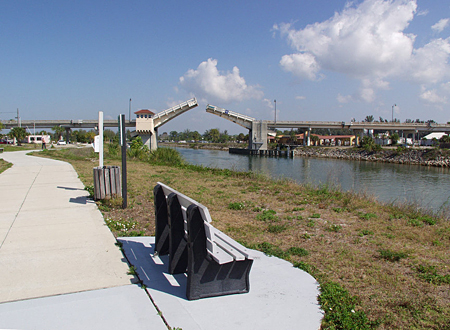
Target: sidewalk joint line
<point>20,208</point>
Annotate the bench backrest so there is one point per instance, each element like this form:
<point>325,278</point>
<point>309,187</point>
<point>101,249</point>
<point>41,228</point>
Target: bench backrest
<point>220,246</point>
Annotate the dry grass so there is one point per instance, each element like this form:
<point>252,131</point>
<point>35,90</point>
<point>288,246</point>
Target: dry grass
<point>350,240</point>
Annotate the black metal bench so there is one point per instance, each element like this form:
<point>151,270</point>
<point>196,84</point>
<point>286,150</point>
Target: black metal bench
<point>216,265</point>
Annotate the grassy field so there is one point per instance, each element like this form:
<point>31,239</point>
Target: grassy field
<point>379,266</point>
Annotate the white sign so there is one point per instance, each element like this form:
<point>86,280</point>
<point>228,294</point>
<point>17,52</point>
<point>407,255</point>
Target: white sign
<point>97,143</point>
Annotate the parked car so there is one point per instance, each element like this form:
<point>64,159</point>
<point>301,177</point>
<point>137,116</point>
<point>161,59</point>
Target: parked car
<point>61,142</point>
<point>6,141</point>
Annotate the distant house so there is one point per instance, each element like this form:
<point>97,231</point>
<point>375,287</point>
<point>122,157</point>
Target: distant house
<point>328,140</point>
<point>39,139</point>
<point>427,140</point>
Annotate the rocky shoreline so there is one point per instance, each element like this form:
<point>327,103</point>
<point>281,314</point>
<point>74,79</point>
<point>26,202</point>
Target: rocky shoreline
<point>424,157</point>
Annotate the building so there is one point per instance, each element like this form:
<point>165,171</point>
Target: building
<point>38,139</point>
<point>427,140</point>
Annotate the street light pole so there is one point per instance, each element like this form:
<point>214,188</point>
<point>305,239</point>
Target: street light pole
<point>129,112</point>
<point>275,110</point>
<point>393,112</point>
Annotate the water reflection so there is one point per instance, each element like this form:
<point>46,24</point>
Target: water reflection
<point>427,186</point>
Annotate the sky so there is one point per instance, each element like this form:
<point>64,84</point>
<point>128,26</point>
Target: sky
<point>320,60</point>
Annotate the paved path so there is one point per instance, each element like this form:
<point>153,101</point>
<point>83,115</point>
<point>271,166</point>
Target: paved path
<point>55,246</point>
<point>60,268</point>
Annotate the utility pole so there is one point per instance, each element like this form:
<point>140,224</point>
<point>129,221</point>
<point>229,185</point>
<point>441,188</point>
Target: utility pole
<point>393,112</point>
<point>18,119</point>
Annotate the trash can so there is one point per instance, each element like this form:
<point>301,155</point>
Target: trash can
<point>107,183</point>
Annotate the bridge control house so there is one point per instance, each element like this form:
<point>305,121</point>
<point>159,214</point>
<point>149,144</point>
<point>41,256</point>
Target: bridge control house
<point>145,125</point>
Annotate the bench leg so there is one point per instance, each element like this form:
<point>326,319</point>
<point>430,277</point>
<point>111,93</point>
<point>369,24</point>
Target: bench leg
<point>207,278</point>
<point>161,222</point>
<point>178,254</point>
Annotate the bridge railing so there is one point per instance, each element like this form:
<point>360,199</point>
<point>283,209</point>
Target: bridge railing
<point>190,103</point>
<point>213,108</point>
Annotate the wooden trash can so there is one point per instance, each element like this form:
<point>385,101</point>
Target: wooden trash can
<point>107,183</point>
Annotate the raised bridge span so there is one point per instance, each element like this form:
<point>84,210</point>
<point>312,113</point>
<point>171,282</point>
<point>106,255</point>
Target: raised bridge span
<point>258,129</point>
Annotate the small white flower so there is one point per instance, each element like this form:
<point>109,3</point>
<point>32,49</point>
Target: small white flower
<point>353,310</point>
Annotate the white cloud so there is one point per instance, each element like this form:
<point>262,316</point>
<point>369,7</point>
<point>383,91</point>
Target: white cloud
<point>301,97</point>
<point>431,96</point>
<point>429,64</point>
<point>344,99</point>
<point>367,41</point>
<point>441,25</point>
<point>303,65</point>
<point>206,82</point>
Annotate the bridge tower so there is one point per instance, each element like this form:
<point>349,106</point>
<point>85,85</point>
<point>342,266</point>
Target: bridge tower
<point>147,123</point>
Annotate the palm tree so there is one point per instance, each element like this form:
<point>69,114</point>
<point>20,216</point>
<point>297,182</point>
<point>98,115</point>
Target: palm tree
<point>369,119</point>
<point>58,131</point>
<point>19,133</point>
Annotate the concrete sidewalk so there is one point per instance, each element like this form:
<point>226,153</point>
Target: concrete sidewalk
<point>60,268</point>
<point>54,242</point>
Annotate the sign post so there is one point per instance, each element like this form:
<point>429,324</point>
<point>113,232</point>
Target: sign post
<point>100,139</point>
<point>123,143</point>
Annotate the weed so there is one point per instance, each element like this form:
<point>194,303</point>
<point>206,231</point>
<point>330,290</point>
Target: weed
<point>391,255</point>
<point>311,223</point>
<point>340,307</point>
<point>267,215</point>
<point>334,228</point>
<point>296,251</point>
<point>306,236</point>
<point>90,190</point>
<point>415,223</point>
<point>315,216</point>
<point>295,209</point>
<point>121,226</point>
<point>236,206</point>
<point>135,233</point>
<point>429,274</point>
<point>365,232</point>
<point>427,220</point>
<point>367,216</point>
<point>437,243</point>
<point>272,250</point>
<point>132,270</point>
<point>304,266</point>
<point>338,209</point>
<point>299,217</point>
<point>257,209</point>
<point>276,229</point>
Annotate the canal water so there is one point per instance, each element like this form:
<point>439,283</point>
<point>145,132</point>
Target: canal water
<point>427,186</point>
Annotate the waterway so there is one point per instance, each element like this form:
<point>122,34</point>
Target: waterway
<point>426,186</point>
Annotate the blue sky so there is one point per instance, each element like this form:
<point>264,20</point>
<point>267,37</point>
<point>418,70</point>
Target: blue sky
<point>321,60</point>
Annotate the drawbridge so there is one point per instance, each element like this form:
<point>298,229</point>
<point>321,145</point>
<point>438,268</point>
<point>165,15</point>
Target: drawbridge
<point>257,129</point>
<point>147,126</point>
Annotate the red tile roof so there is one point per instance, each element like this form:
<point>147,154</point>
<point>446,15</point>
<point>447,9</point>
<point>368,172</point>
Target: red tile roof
<point>144,111</point>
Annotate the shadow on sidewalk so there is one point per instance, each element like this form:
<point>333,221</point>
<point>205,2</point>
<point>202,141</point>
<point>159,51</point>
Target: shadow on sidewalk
<point>151,269</point>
